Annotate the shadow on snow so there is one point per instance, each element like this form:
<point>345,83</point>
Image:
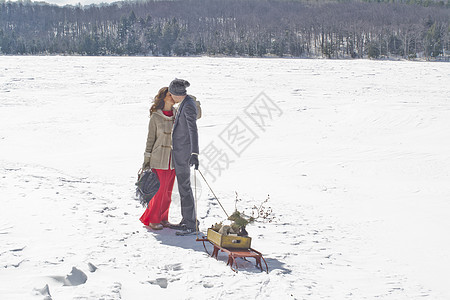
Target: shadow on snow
<point>169,238</point>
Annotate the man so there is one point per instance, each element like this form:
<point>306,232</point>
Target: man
<point>185,152</point>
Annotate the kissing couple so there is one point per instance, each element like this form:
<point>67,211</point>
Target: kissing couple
<point>171,149</point>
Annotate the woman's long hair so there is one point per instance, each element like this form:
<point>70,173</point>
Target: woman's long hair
<point>158,102</point>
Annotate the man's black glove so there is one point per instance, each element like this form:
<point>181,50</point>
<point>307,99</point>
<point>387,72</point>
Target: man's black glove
<point>193,161</point>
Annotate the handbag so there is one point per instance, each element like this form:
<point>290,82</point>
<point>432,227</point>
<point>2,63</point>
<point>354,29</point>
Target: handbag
<point>146,186</point>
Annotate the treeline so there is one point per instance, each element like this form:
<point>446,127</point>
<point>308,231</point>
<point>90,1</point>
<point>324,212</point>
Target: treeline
<point>229,27</point>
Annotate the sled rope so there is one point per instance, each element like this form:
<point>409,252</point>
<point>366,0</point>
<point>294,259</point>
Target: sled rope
<point>213,193</point>
<point>195,188</point>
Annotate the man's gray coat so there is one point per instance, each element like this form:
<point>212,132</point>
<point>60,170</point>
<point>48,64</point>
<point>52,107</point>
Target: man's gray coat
<point>184,143</point>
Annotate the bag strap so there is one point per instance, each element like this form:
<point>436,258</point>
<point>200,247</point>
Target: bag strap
<point>140,173</point>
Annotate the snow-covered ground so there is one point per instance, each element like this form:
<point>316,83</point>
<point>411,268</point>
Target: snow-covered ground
<point>355,156</point>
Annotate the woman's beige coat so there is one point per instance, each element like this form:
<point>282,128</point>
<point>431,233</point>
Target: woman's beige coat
<point>159,140</point>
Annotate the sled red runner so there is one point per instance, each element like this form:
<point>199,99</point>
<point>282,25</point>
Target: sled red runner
<point>234,253</point>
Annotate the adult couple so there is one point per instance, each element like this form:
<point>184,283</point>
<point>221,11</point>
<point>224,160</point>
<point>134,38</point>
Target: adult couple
<point>172,147</point>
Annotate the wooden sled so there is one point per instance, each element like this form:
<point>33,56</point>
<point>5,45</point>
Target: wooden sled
<point>234,246</point>
<point>234,253</point>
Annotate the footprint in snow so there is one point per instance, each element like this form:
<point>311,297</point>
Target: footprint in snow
<point>162,282</point>
<point>76,277</point>
<point>45,291</point>
<point>173,267</point>
<point>117,286</point>
<point>92,268</point>
<point>5,228</point>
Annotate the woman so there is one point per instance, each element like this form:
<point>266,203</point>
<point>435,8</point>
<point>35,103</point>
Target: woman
<point>158,157</point>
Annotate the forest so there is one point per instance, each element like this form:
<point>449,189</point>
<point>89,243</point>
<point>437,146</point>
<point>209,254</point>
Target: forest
<point>251,28</point>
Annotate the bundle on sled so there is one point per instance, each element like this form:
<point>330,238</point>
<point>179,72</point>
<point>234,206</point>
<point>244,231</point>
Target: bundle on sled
<point>224,238</point>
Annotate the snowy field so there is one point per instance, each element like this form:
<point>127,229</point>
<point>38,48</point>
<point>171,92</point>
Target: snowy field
<point>355,156</point>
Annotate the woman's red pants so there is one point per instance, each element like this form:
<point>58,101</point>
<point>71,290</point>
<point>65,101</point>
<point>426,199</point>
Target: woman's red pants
<point>158,207</point>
